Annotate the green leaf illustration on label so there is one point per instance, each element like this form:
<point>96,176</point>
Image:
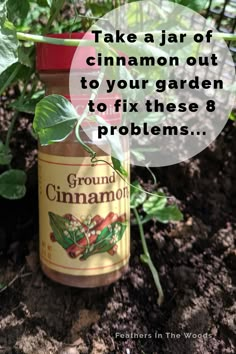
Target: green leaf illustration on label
<point>106,240</point>
<point>65,232</point>
<point>84,237</point>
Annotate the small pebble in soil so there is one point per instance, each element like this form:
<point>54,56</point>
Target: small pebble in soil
<point>160,241</point>
<point>177,243</point>
<point>68,350</point>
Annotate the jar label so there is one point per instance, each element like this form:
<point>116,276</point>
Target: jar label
<point>84,215</point>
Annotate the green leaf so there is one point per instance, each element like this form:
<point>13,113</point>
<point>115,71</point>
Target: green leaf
<point>12,184</point>
<point>195,5</point>
<point>118,167</point>
<point>108,231</point>
<point>69,25</point>
<point>12,74</point>
<point>56,133</point>
<point>25,56</point>
<point>105,240</point>
<point>55,5</point>
<point>5,155</point>
<point>137,195</point>
<point>99,9</point>
<point>40,94</point>
<point>28,106</point>
<point>17,10</point>
<point>154,203</point>
<point>54,120</point>
<point>59,225</point>
<point>8,45</point>
<point>169,213</point>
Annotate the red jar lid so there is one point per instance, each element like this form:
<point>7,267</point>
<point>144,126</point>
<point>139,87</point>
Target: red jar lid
<point>53,57</point>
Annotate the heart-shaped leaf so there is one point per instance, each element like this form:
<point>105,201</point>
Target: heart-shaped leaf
<point>154,203</point>
<point>17,10</point>
<point>54,120</point>
<point>12,184</point>
<point>118,167</point>
<point>169,213</point>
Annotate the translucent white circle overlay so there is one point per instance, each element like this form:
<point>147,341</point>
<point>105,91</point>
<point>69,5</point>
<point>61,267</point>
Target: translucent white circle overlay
<point>168,107</point>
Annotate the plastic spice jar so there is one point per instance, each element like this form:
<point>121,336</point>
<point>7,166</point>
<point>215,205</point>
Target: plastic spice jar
<point>83,207</point>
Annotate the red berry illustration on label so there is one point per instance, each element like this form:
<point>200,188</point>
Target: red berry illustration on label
<point>85,236</point>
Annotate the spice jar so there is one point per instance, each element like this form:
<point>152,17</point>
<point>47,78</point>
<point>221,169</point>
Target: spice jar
<point>83,207</point>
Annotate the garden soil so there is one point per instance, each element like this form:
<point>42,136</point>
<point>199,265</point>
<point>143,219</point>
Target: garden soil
<point>196,259</point>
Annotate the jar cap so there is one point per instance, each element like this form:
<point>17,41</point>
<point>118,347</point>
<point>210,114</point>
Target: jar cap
<point>53,57</point>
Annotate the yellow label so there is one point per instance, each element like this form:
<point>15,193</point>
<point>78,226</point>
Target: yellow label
<point>83,216</point>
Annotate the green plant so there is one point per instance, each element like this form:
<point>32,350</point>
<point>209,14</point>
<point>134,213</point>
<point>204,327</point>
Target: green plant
<point>17,64</point>
<point>154,207</point>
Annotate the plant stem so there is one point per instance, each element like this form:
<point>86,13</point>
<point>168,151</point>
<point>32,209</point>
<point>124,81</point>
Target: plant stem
<point>141,231</point>
<point>50,40</point>
<point>146,258</point>
<point>18,275</point>
<point>76,42</point>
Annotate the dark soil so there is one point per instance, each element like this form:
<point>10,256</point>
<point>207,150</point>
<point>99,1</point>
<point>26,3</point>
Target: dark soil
<point>196,259</point>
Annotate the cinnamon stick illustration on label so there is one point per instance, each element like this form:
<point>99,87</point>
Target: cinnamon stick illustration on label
<point>85,236</point>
